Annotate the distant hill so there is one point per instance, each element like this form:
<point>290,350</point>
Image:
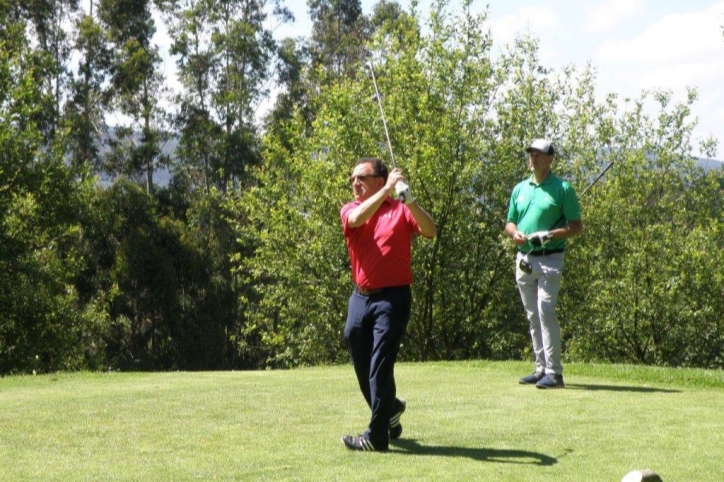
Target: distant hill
<point>163,176</point>
<point>709,164</point>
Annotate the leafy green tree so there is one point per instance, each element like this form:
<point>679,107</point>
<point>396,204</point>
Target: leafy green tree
<point>47,23</point>
<point>391,20</point>
<point>43,326</point>
<point>225,50</point>
<point>292,72</point>
<point>647,289</point>
<point>85,109</point>
<point>224,53</point>
<point>339,32</point>
<point>165,303</point>
<point>335,49</point>
<point>138,89</point>
<point>131,272</point>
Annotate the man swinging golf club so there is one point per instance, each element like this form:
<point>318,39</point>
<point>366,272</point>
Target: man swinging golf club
<point>543,212</point>
<point>379,230</point>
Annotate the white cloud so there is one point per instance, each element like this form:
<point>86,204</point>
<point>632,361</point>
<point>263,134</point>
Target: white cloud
<point>539,22</point>
<point>710,110</point>
<point>692,74</point>
<point>674,38</point>
<point>609,14</point>
<point>533,20</point>
<point>676,51</point>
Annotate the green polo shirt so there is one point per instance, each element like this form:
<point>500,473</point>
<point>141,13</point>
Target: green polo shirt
<point>542,207</point>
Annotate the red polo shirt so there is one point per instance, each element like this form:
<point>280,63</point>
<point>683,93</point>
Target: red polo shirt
<point>380,249</point>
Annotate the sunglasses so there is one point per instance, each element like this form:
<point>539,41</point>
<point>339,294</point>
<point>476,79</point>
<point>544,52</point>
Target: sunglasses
<point>361,178</point>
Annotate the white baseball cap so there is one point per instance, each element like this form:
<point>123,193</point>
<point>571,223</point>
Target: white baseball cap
<point>542,145</point>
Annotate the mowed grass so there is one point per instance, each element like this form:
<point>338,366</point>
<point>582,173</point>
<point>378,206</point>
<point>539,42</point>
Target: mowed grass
<point>464,421</point>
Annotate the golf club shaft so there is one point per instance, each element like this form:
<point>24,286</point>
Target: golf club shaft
<point>382,113</point>
<point>596,180</point>
<point>586,190</point>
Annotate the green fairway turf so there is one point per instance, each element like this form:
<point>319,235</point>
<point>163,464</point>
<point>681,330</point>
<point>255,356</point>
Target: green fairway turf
<point>464,421</point>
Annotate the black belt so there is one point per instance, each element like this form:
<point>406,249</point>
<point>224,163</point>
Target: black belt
<point>544,252</point>
<point>368,292</point>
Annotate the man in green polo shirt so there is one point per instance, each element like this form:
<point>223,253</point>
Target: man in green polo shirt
<point>543,213</point>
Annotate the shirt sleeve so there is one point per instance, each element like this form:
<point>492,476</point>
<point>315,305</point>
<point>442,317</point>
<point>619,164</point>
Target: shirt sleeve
<point>512,210</point>
<point>571,206</point>
<point>411,221</point>
<point>344,214</point>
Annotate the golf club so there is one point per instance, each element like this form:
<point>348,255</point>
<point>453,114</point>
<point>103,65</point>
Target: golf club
<point>402,186</point>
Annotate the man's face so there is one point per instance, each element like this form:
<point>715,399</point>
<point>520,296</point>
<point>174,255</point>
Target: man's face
<point>365,182</point>
<point>540,162</point>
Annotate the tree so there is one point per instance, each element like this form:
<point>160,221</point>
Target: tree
<point>46,22</point>
<point>43,326</point>
<point>335,49</point>
<point>292,71</point>
<point>88,102</point>
<point>224,50</point>
<point>165,303</point>
<point>646,267</point>
<point>339,32</point>
<point>138,89</point>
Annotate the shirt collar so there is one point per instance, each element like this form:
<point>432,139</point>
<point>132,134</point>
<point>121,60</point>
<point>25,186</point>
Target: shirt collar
<point>549,178</point>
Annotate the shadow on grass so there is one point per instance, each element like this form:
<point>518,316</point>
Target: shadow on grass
<point>411,446</point>
<point>619,388</point>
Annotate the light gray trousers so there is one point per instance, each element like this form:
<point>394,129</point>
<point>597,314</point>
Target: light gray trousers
<point>539,293</point>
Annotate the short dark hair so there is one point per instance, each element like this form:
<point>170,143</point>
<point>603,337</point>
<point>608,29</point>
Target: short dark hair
<point>379,167</point>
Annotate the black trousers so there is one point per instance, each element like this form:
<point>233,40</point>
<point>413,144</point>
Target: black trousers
<point>373,332</point>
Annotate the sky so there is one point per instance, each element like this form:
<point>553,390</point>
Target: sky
<point>632,44</point>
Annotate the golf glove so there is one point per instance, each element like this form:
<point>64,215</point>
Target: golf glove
<point>403,192</point>
<point>539,238</point>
